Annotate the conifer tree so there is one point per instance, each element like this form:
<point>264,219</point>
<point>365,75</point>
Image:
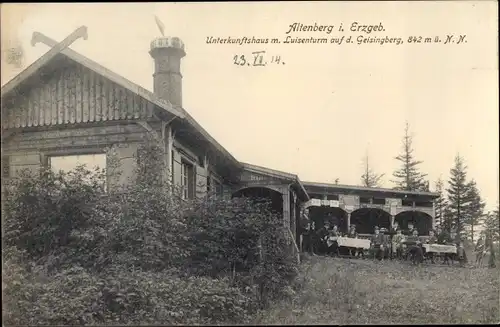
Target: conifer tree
<point>458,194</point>
<point>369,177</point>
<point>491,225</point>
<point>440,204</point>
<point>408,177</point>
<point>492,231</point>
<point>474,211</point>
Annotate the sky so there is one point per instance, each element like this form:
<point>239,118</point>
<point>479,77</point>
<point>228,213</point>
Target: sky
<point>329,105</point>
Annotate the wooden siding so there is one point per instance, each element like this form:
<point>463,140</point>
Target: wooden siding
<point>72,95</point>
<point>68,138</point>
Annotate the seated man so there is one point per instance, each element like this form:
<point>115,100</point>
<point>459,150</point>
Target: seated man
<point>415,247</point>
<point>431,240</point>
<point>321,235</point>
<point>385,243</point>
<point>331,241</point>
<point>397,243</point>
<point>377,244</point>
<point>353,234</point>
<point>443,237</point>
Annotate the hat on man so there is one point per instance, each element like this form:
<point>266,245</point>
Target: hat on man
<point>352,226</point>
<point>376,228</point>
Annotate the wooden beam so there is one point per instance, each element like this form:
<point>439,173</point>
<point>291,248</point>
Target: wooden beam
<point>148,127</point>
<point>101,70</point>
<point>80,32</point>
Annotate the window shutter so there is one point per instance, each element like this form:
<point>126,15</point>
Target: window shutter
<point>201,181</point>
<point>5,166</point>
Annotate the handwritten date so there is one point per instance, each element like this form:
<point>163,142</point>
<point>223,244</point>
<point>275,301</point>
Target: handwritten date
<point>257,58</point>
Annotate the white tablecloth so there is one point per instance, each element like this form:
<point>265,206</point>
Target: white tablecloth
<point>441,248</point>
<point>354,242</point>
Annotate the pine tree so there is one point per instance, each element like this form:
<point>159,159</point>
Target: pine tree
<point>492,231</point>
<point>474,211</point>
<point>440,204</point>
<point>408,177</point>
<point>458,194</point>
<point>369,177</point>
<point>448,219</point>
<point>426,187</point>
<point>491,225</point>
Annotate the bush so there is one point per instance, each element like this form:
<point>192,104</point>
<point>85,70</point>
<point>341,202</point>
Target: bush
<point>48,211</point>
<point>75,296</point>
<point>137,253</point>
<point>243,239</point>
<point>223,236</point>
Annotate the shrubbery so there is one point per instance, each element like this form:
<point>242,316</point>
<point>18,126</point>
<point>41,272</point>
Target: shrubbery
<point>76,296</point>
<point>75,254</point>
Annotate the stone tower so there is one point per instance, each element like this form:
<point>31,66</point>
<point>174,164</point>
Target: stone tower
<point>167,53</point>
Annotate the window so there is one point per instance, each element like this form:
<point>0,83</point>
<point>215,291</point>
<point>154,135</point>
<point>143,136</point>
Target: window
<point>218,189</point>
<point>426,204</point>
<point>407,203</point>
<point>379,201</point>
<point>70,162</point>
<point>332,197</point>
<point>364,200</point>
<point>187,180</point>
<point>67,163</point>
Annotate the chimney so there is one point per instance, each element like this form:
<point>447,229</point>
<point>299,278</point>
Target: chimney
<point>167,53</point>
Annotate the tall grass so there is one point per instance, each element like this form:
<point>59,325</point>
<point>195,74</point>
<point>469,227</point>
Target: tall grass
<point>337,291</point>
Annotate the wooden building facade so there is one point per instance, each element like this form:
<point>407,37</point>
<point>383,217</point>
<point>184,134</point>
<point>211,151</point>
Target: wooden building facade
<point>71,106</point>
<point>367,207</point>
<point>68,105</point>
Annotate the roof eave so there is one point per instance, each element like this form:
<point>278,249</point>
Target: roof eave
<point>210,140</point>
<point>278,174</point>
<point>269,171</point>
<point>360,188</point>
<point>303,189</point>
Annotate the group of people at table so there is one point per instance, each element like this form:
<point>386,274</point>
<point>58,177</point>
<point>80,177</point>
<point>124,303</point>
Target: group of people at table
<point>330,241</point>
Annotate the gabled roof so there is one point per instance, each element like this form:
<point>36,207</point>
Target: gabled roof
<point>369,189</point>
<point>97,68</point>
<point>119,80</point>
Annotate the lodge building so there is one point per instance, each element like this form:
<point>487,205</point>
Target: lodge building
<point>66,106</point>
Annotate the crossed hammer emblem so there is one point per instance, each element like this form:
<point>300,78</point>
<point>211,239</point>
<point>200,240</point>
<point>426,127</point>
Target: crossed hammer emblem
<point>37,37</point>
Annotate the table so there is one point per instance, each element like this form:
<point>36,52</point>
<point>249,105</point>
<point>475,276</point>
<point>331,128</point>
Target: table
<point>440,248</point>
<point>357,243</point>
